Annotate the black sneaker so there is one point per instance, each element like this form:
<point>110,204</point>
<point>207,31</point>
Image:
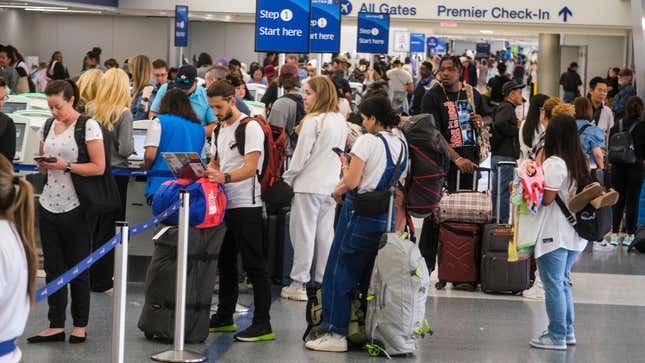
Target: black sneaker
<point>222,325</point>
<point>256,333</point>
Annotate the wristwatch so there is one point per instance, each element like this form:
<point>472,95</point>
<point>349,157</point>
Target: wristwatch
<point>68,168</point>
<point>227,178</point>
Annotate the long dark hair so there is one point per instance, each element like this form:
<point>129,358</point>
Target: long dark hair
<point>634,108</point>
<point>381,108</point>
<point>532,123</point>
<point>17,206</point>
<point>562,140</point>
<point>176,102</point>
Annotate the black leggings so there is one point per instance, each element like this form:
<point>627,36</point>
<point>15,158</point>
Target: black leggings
<point>627,180</point>
<point>65,239</point>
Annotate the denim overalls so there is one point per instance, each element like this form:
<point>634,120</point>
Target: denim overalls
<point>352,254</point>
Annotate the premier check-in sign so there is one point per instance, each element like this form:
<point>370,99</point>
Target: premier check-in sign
<point>373,32</point>
<point>181,26</point>
<point>282,26</point>
<point>324,34</point>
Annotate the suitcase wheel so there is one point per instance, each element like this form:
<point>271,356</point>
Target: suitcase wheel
<point>440,285</point>
<point>149,336</point>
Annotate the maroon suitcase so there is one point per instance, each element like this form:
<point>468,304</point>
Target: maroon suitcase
<point>459,253</point>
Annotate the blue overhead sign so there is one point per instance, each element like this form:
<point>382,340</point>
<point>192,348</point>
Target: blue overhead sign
<point>181,26</point>
<point>324,34</point>
<point>417,43</point>
<point>282,26</point>
<point>373,33</point>
<point>432,42</point>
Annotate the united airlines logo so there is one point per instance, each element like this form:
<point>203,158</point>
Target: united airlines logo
<point>345,7</point>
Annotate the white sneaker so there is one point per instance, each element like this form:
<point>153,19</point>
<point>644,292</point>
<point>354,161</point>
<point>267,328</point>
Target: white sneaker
<point>295,291</point>
<point>536,292</point>
<point>328,342</point>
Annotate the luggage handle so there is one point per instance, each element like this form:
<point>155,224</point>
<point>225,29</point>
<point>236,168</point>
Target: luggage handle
<point>475,186</point>
<point>499,185</point>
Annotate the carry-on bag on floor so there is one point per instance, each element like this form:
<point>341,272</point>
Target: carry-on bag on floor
<point>467,206</point>
<point>497,273</point>
<point>278,248</point>
<point>458,254</point>
<point>157,320</point>
<point>396,299</point>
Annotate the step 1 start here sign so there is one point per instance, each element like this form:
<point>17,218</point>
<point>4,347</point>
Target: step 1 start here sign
<point>282,26</point>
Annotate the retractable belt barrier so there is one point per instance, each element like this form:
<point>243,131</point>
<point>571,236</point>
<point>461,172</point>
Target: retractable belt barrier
<point>88,261</point>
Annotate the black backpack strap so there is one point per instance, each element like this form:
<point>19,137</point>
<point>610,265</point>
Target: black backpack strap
<point>216,131</point>
<point>583,128</point>
<point>565,210</point>
<point>47,127</point>
<point>632,127</point>
<point>79,136</point>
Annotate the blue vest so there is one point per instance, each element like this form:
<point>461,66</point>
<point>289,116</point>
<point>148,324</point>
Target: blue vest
<point>177,135</point>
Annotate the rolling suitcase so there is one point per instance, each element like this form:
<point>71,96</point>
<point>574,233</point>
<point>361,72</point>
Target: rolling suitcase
<point>157,320</point>
<point>278,248</point>
<point>497,273</point>
<point>459,240</point>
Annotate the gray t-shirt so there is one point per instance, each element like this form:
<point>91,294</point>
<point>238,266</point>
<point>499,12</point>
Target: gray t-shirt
<point>122,139</point>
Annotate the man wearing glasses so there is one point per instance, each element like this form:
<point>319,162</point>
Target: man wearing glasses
<point>7,127</point>
<point>159,77</point>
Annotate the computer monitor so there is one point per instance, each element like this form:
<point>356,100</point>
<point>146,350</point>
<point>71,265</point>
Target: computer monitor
<point>11,107</point>
<point>139,136</point>
<point>21,131</point>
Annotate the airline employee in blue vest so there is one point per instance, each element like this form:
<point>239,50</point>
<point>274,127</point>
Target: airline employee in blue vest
<point>176,129</point>
<point>186,80</point>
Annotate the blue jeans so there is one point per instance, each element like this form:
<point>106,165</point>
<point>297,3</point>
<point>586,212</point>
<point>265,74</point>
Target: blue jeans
<point>569,96</point>
<point>506,176</point>
<point>554,268</point>
<point>349,266</point>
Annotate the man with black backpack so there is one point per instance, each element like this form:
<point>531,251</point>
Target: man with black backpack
<point>238,152</point>
<point>288,110</point>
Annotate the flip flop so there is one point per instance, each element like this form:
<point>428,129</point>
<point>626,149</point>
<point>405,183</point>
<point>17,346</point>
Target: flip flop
<point>580,200</point>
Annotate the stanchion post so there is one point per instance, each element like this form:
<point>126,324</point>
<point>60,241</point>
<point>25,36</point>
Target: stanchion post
<point>117,350</point>
<point>179,355</point>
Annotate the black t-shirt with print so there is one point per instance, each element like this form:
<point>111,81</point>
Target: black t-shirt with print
<point>451,111</point>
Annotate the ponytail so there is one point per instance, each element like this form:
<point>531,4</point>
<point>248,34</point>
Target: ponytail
<point>17,206</point>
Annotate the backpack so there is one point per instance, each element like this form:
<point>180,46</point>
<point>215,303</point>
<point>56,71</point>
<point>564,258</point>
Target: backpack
<point>621,145</point>
<point>275,141</point>
<point>639,240</point>
<point>356,328</point>
<point>98,195</point>
<point>396,300</point>
<point>429,162</point>
<point>484,133</point>
<point>207,202</point>
<point>300,114</point>
<point>590,223</point>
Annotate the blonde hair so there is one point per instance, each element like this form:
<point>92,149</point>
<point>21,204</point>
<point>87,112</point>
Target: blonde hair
<point>564,109</point>
<point>88,84</point>
<point>113,98</point>
<point>549,105</point>
<point>17,206</point>
<point>141,69</point>
<point>326,95</point>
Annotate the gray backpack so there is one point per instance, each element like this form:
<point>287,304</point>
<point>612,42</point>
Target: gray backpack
<point>396,301</point>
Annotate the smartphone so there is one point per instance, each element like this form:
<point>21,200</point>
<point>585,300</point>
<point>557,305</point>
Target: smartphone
<point>338,151</point>
<point>43,159</point>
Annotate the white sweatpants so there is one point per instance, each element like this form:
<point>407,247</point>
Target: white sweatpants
<point>311,228</point>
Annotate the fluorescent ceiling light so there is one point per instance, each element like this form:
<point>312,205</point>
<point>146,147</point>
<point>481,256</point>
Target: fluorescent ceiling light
<point>63,10</point>
<point>486,31</point>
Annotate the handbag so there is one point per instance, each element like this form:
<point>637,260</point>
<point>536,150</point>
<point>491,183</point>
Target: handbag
<point>377,202</point>
<point>98,195</point>
<point>590,223</point>
<point>467,207</point>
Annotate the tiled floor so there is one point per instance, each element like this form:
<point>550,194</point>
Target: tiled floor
<point>469,327</point>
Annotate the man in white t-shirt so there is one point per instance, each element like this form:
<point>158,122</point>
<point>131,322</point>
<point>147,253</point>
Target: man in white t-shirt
<point>235,162</point>
<point>401,84</point>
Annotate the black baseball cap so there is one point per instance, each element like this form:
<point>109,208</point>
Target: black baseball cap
<point>510,86</point>
<point>186,76</point>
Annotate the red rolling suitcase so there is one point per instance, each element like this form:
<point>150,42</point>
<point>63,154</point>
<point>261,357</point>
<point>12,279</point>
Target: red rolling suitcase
<point>458,253</point>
